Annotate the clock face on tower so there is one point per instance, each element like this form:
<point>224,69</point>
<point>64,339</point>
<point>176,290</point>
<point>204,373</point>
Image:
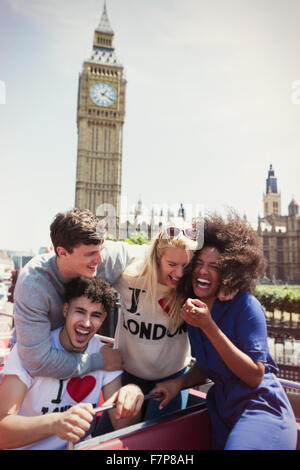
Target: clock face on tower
<point>103,94</point>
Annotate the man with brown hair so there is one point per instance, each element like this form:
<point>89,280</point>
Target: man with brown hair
<point>79,250</point>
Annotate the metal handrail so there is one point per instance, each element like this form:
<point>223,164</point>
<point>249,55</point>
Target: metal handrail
<point>106,339</point>
<point>289,384</point>
<point>149,396</point>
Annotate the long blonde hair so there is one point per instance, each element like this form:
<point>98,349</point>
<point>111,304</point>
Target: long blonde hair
<point>146,271</point>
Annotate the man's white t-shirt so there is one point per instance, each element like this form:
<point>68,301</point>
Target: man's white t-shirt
<point>48,395</point>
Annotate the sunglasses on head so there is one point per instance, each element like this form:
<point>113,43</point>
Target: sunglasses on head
<point>174,232</point>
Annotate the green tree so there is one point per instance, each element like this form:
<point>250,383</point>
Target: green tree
<point>137,238</point>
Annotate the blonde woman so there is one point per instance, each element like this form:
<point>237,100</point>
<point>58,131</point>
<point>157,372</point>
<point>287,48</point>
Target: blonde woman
<point>151,349</point>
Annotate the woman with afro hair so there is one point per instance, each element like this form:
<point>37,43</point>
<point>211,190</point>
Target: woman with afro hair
<point>247,405</point>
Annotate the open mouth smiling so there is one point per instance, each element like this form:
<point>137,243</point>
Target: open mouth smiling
<point>175,280</point>
<point>202,283</point>
<point>82,334</point>
<point>92,267</point>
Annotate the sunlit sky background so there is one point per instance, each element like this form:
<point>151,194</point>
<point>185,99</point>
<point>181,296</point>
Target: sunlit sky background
<point>209,104</point>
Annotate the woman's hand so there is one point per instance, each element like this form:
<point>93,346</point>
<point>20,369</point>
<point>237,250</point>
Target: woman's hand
<point>168,390</point>
<point>196,313</point>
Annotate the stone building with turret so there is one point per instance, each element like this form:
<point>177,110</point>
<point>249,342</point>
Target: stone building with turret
<point>280,235</point>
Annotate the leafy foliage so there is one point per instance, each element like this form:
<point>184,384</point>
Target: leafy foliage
<point>283,298</point>
<point>138,238</point>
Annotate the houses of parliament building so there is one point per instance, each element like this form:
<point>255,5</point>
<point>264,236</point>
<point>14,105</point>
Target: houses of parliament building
<point>280,235</point>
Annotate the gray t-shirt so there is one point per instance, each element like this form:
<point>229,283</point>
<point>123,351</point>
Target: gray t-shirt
<point>38,300</point>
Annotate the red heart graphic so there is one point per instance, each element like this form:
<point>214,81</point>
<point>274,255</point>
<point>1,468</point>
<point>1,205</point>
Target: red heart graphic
<point>79,388</point>
<point>166,308</point>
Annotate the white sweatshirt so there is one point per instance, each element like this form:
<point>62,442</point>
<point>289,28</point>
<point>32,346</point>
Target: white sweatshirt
<point>149,350</point>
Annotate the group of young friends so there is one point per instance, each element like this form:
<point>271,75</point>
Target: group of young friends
<point>179,299</point>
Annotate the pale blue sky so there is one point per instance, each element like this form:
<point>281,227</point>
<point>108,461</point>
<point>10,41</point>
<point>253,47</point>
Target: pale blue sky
<point>208,104</point>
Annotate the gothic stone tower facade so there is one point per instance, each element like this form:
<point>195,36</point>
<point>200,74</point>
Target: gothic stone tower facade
<point>100,119</point>
<point>280,235</point>
<point>272,198</point>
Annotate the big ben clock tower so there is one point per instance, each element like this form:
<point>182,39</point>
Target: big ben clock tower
<point>100,119</point>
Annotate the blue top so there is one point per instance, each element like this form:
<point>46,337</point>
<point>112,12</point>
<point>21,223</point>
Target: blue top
<point>242,320</point>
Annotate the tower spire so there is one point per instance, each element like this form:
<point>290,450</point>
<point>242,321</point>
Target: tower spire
<point>271,182</point>
<point>272,198</point>
<point>104,37</point>
<point>104,25</point>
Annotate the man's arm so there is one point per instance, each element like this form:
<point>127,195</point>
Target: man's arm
<point>129,400</point>
<point>19,431</point>
<point>117,256</point>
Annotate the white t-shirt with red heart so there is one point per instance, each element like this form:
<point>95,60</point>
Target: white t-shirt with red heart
<point>49,395</point>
